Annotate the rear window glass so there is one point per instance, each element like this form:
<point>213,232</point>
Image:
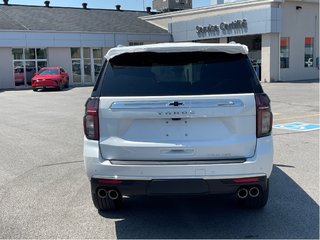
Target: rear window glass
<point>161,74</point>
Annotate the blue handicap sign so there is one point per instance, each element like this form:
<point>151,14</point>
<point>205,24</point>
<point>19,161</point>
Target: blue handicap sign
<point>298,126</point>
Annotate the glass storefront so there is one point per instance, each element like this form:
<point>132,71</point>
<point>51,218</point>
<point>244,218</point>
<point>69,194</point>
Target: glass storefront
<point>86,64</point>
<point>26,62</point>
<point>97,61</point>
<point>76,70</point>
<point>308,52</point>
<point>284,52</point>
<point>76,63</point>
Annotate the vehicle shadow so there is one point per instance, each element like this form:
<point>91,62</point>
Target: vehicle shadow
<point>55,90</point>
<point>290,213</point>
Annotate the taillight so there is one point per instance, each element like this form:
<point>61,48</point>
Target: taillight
<point>109,181</point>
<point>264,115</point>
<point>91,119</point>
<point>246,180</point>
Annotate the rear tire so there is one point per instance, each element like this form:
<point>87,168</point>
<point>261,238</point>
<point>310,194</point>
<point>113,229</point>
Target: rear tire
<point>34,89</point>
<point>106,204</point>
<point>257,202</point>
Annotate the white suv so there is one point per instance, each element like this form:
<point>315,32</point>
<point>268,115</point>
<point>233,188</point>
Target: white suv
<point>177,119</point>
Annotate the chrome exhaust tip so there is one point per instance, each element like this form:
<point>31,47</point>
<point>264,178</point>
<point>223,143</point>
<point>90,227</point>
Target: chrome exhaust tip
<point>113,194</point>
<point>242,193</point>
<point>102,193</point>
<point>254,192</point>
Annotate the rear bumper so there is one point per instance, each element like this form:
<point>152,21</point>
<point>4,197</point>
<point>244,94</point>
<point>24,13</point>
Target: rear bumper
<point>173,187</point>
<point>45,84</point>
<point>136,179</point>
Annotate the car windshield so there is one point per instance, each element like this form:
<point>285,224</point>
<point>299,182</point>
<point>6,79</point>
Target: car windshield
<point>49,72</point>
<point>161,74</point>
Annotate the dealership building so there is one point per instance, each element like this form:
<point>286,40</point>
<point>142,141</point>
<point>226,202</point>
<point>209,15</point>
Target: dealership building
<point>75,39</point>
<point>282,36</point>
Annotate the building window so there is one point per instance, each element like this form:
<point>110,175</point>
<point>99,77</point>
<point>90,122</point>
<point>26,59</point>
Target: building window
<point>284,52</point>
<point>135,43</point>
<point>76,64</point>
<point>17,53</point>
<point>97,61</point>
<point>308,52</point>
<point>86,64</point>
<point>30,53</point>
<point>26,62</point>
<point>41,53</point>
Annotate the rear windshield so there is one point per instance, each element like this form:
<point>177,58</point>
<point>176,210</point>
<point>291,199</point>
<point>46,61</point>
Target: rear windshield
<point>161,74</point>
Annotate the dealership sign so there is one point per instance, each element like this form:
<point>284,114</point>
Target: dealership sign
<point>224,27</point>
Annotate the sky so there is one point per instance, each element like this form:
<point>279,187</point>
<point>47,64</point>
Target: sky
<point>107,4</point>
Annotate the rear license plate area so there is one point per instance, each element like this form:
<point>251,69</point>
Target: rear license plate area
<point>177,187</point>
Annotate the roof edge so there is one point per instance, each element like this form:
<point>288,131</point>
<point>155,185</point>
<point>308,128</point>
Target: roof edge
<point>80,8</point>
<point>78,32</point>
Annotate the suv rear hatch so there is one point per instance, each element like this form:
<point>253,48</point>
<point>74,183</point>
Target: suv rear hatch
<point>185,106</point>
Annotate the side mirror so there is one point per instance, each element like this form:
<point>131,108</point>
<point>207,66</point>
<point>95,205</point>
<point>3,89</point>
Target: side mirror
<point>35,74</point>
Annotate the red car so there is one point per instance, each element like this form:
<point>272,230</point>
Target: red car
<point>50,77</point>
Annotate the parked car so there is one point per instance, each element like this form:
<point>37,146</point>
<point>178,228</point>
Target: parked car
<point>19,74</point>
<point>177,119</point>
<point>50,77</point>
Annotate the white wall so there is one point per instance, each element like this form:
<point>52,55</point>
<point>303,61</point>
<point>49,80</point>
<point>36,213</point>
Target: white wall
<point>270,57</point>
<point>298,24</point>
<point>6,69</point>
<point>33,39</point>
<point>259,21</point>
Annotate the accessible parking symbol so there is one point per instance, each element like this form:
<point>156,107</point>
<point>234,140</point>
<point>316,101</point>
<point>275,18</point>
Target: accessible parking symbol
<point>298,126</point>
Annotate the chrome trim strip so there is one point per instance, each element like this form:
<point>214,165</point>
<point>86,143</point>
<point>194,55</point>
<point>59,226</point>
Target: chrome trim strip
<point>145,178</point>
<point>140,105</point>
<point>176,162</point>
<point>122,105</point>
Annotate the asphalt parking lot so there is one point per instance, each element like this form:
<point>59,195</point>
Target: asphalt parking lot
<point>44,192</point>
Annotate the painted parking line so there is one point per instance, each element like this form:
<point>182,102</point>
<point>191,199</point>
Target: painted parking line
<point>298,126</point>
